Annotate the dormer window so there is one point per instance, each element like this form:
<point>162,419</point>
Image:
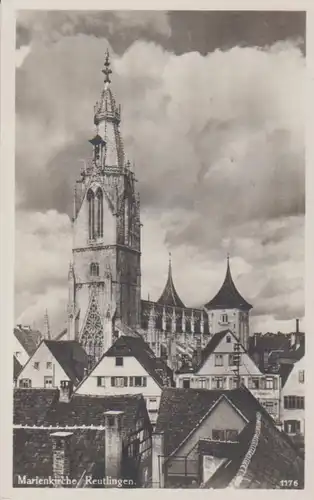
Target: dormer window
<point>94,269</point>
<point>224,318</point>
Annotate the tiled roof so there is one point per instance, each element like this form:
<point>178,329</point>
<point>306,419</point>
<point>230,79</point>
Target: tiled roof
<point>169,296</point>
<point>17,367</point>
<point>28,338</point>
<point>181,410</point>
<point>31,405</point>
<point>137,347</point>
<point>265,457</point>
<point>89,410</point>
<point>42,407</point>
<point>228,296</point>
<point>71,357</point>
<point>32,453</point>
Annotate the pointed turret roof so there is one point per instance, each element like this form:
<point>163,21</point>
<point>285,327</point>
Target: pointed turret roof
<point>228,296</point>
<point>169,296</point>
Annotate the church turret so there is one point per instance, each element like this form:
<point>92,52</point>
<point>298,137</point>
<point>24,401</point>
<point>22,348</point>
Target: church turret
<point>169,296</point>
<point>228,309</point>
<point>105,279</point>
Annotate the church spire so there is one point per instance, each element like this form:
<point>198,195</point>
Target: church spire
<point>228,296</point>
<point>107,117</point>
<point>169,296</point>
<point>47,335</point>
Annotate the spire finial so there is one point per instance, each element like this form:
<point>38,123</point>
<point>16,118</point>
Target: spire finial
<point>107,71</point>
<point>169,262</point>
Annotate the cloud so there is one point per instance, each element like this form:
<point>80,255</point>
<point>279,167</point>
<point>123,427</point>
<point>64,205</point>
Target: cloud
<point>218,147</point>
<point>123,26</point>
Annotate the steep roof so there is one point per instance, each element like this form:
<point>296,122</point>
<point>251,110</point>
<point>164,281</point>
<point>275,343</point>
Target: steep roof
<point>71,356</point>
<point>28,338</point>
<point>169,296</point>
<point>181,410</point>
<point>41,407</point>
<point>17,367</point>
<point>228,296</point>
<point>138,348</point>
<point>265,456</point>
<point>30,406</point>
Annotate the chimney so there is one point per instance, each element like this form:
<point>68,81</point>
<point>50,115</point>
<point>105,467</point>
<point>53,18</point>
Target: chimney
<point>66,390</point>
<point>158,460</point>
<point>113,446</point>
<point>61,457</point>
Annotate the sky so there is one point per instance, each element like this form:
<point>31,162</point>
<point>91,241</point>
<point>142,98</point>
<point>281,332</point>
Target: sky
<point>213,119</point>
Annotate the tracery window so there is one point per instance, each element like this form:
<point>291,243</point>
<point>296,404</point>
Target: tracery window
<point>91,214</point>
<point>94,269</point>
<point>100,212</point>
<point>92,337</point>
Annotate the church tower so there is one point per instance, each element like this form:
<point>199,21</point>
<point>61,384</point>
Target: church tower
<point>105,274</point>
<point>229,310</point>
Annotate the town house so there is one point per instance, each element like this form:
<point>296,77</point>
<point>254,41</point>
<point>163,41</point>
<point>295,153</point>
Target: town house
<point>129,367</point>
<point>215,367</point>
<point>52,362</point>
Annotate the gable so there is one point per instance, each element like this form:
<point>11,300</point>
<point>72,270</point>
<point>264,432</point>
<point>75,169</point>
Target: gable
<point>106,367</point>
<point>222,416</point>
<point>293,386</point>
<point>42,355</point>
<point>225,347</point>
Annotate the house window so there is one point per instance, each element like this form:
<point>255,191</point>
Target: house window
<point>186,383</point>
<point>101,381</point>
<point>224,434</point>
<point>301,376</point>
<point>292,426</point>
<point>219,360</point>
<point>48,365</point>
<point>203,383</point>
<point>269,405</point>
<point>228,339</point>
<point>138,381</point>
<point>119,381</point>
<point>269,383</point>
<point>234,359</point>
<point>218,382</point>
<point>36,365</point>
<point>293,402</point>
<point>224,318</point>
<point>47,382</point>
<point>233,382</point>
<point>119,361</point>
<point>25,383</point>
<point>254,383</point>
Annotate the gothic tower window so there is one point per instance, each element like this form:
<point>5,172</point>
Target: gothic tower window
<point>100,211</point>
<point>94,269</point>
<point>91,214</point>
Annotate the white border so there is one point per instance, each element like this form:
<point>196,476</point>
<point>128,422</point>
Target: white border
<point>7,179</point>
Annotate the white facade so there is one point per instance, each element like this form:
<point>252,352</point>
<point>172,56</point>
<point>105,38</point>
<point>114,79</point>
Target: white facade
<point>19,352</point>
<point>292,400</point>
<point>232,319</point>
<point>108,378</point>
<point>219,372</point>
<point>42,370</point>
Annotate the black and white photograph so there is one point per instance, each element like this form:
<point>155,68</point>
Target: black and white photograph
<point>159,249</point>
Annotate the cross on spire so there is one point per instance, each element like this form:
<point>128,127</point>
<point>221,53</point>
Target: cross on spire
<point>107,71</point>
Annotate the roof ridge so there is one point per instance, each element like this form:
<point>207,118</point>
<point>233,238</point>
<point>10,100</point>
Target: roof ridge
<point>237,480</point>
